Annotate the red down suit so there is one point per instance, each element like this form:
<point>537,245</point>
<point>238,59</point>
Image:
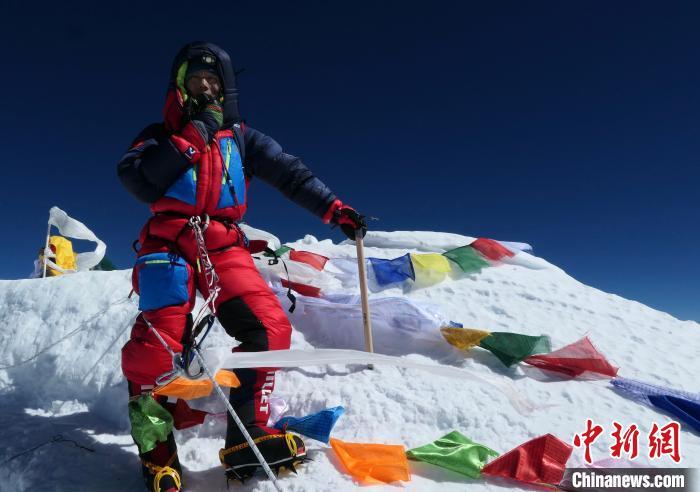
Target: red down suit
<point>171,166</point>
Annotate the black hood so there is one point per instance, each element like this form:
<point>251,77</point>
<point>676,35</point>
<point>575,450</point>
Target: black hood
<point>196,50</point>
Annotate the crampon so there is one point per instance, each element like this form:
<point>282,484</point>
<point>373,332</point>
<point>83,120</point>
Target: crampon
<point>281,451</point>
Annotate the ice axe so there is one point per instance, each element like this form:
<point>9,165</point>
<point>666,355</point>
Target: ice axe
<point>366,320</point>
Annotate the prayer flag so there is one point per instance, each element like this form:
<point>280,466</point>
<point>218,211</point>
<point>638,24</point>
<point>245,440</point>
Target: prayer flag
<point>311,259</point>
<point>184,416</point>
<point>150,422</point>
<point>541,460</point>
<point>431,261</point>
<point>191,389</point>
<point>574,360</point>
<point>640,391</point>
<point>455,452</point>
<point>681,404</point>
<point>463,338</point>
<point>391,271</point>
<point>74,229</point>
<point>511,348</point>
<point>303,289</point>
<point>491,249</point>
<point>278,407</point>
<point>373,463</point>
<point>430,268</point>
<point>316,426</point>
<point>280,251</point>
<point>467,258</point>
<point>684,410</point>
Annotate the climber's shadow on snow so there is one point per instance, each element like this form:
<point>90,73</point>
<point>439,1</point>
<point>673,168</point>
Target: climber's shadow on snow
<point>88,452</point>
<point>80,449</point>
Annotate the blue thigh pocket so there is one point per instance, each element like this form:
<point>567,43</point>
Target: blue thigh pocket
<point>162,279</point>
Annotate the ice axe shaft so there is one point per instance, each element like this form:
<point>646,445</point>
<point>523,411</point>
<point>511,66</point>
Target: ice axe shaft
<point>366,319</point>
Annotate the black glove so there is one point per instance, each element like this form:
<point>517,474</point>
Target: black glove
<point>206,114</point>
<point>349,221</point>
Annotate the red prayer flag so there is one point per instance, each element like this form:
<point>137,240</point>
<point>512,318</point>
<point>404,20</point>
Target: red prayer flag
<point>256,246</point>
<point>303,289</point>
<point>541,460</point>
<point>493,250</point>
<point>184,416</point>
<point>311,259</point>
<point>573,360</point>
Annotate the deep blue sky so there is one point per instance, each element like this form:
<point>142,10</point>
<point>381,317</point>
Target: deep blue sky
<point>570,125</point>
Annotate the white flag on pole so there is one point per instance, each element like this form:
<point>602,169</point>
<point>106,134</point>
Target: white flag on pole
<point>75,229</point>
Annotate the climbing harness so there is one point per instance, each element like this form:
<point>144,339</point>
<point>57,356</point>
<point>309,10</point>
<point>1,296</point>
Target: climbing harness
<point>203,322</point>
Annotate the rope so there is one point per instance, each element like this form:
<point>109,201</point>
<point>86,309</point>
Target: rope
<point>54,439</point>
<point>168,376</point>
<point>68,335</point>
<point>205,262</point>
<point>89,372</point>
<point>240,425</point>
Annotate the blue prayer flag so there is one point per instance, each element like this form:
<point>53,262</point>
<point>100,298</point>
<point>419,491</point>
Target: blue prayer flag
<point>681,404</point>
<point>640,391</point>
<point>316,426</point>
<point>391,271</point>
<point>685,410</point>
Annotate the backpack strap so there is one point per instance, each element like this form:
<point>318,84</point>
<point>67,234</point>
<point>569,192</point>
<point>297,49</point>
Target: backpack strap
<point>238,131</point>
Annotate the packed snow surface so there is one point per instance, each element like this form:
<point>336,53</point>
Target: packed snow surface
<point>60,375</point>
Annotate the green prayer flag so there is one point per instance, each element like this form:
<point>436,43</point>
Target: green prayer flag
<point>105,265</point>
<point>279,251</point>
<point>150,422</point>
<point>455,452</point>
<point>512,348</point>
<point>468,259</point>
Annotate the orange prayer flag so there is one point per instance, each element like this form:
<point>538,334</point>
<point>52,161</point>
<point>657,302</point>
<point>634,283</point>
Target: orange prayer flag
<point>373,463</point>
<point>191,389</point>
<point>227,378</point>
<point>187,389</point>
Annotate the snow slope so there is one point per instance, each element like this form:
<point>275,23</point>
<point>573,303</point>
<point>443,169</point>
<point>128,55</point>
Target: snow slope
<point>60,374</point>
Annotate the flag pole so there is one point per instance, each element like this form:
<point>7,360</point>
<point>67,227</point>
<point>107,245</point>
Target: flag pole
<point>46,246</point>
<point>366,319</point>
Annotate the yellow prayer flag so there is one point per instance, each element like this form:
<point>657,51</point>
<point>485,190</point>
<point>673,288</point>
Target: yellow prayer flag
<point>430,268</point>
<point>431,261</point>
<point>463,338</point>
